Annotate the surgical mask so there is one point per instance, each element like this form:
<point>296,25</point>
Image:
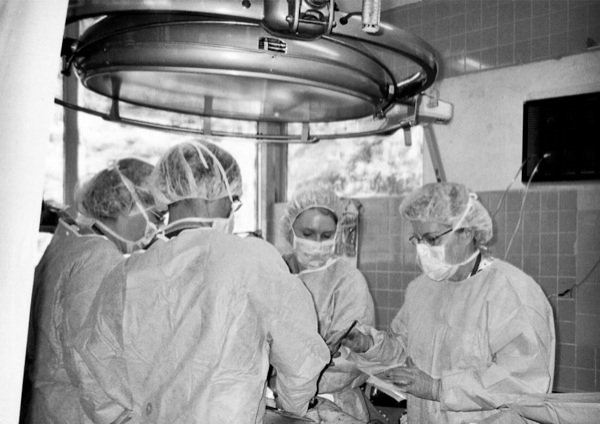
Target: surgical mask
<point>313,254</point>
<point>130,246</point>
<point>432,259</point>
<point>224,225</point>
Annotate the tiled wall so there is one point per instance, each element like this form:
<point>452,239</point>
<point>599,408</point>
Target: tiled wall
<point>474,35</point>
<point>557,243</point>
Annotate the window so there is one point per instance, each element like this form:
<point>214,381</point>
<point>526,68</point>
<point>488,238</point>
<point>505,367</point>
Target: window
<point>54,166</point>
<point>102,142</point>
<point>370,166</point>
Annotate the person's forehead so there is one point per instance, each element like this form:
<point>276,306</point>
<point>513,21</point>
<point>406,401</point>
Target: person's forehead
<point>426,227</point>
<point>315,219</point>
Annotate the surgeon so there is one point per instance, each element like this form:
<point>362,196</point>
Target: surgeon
<point>185,332</point>
<point>474,332</point>
<point>338,288</point>
<point>118,204</point>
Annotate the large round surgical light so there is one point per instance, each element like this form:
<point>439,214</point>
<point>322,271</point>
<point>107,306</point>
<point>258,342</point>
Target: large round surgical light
<point>273,61</point>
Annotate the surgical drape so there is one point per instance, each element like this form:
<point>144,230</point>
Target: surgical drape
<point>489,338</point>
<point>341,295</point>
<point>66,280</point>
<point>185,332</point>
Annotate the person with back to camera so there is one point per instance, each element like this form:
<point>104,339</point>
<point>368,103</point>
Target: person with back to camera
<point>185,332</point>
<point>118,202</point>
<point>474,332</point>
<point>338,288</point>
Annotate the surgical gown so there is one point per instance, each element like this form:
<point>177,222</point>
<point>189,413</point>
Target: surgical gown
<point>185,332</point>
<point>66,280</point>
<point>489,338</point>
<point>341,295</point>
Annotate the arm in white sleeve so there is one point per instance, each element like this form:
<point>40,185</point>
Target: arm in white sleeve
<point>388,349</point>
<point>80,292</point>
<point>522,362</point>
<point>105,393</point>
<point>298,353</point>
<point>352,301</point>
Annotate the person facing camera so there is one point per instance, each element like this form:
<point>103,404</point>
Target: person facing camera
<point>185,333</point>
<point>119,206</point>
<point>475,332</point>
<point>338,288</point>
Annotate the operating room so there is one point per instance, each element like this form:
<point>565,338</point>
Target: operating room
<point>488,71</point>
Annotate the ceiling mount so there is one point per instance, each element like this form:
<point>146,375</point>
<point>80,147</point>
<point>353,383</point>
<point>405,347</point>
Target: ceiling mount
<point>288,62</point>
<point>307,19</point>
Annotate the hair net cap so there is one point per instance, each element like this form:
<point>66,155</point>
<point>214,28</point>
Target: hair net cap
<point>310,195</point>
<point>189,171</point>
<point>445,203</point>
<point>108,194</point>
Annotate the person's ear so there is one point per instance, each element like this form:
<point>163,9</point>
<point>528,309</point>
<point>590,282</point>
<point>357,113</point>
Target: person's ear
<point>467,235</point>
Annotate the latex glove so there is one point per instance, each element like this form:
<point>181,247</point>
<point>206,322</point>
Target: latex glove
<point>411,379</point>
<point>334,341</point>
<point>357,341</point>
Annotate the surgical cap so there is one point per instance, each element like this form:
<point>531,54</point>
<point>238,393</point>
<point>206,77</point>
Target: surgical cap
<point>445,203</point>
<point>307,196</point>
<point>189,171</point>
<point>114,191</point>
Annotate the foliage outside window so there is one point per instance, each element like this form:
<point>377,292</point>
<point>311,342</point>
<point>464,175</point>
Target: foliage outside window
<point>366,167</point>
<point>102,143</point>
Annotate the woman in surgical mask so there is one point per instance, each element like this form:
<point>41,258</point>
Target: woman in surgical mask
<point>339,290</point>
<point>119,210</point>
<point>474,333</point>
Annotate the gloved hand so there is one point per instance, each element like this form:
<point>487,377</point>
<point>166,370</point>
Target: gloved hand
<point>411,379</point>
<point>357,341</point>
<point>334,341</point>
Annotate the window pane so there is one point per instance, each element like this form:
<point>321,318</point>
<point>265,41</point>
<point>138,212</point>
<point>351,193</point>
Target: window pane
<point>370,166</point>
<point>245,153</point>
<point>54,162</point>
<point>102,142</point>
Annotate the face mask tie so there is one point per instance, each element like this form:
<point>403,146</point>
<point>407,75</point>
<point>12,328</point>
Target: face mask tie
<point>224,225</point>
<point>199,148</point>
<point>125,246</point>
<point>150,230</point>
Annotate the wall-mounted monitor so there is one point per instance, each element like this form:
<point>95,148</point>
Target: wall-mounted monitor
<point>568,129</point>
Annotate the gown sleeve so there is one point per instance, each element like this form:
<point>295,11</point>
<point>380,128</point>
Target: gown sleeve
<point>521,339</point>
<point>79,294</point>
<point>388,349</point>
<point>351,301</point>
<point>298,353</point>
<point>106,397</point>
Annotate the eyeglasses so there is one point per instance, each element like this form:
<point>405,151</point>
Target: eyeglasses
<point>427,238</point>
<point>236,204</point>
